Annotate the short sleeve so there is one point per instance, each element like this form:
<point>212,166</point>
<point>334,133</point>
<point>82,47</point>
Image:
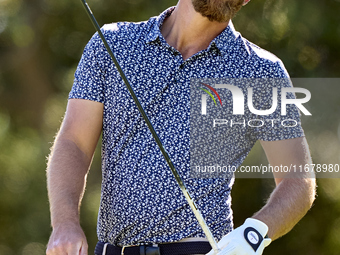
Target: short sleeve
<point>89,76</point>
<point>275,125</point>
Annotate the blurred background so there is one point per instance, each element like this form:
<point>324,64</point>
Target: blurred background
<point>41,42</point>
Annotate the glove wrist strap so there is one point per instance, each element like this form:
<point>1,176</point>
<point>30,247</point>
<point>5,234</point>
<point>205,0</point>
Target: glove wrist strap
<point>261,227</point>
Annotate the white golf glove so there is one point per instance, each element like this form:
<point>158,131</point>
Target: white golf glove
<point>248,239</point>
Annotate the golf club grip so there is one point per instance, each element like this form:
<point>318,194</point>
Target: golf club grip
<point>179,180</point>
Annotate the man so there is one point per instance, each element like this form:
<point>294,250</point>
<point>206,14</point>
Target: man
<point>141,204</point>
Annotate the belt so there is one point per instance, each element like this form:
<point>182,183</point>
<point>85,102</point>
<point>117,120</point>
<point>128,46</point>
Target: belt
<point>178,248</point>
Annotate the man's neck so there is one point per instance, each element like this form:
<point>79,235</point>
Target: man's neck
<point>188,31</point>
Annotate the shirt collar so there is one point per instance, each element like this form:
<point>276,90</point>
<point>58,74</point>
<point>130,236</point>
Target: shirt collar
<point>226,39</point>
<point>155,31</point>
<point>223,42</point>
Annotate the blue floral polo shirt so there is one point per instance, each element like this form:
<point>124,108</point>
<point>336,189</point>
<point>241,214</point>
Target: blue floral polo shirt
<point>140,199</point>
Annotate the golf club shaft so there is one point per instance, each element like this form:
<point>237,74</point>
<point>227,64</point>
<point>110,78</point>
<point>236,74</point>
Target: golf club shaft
<point>179,180</point>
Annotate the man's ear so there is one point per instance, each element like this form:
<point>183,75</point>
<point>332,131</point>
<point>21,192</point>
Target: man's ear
<point>245,2</point>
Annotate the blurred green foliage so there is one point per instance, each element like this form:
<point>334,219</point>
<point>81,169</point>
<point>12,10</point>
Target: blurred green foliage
<point>41,42</point>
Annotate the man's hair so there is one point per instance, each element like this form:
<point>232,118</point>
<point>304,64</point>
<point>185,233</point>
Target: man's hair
<point>218,10</point>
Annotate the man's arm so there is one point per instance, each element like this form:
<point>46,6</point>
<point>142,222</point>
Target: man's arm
<point>67,169</point>
<point>294,193</point>
<point>288,203</point>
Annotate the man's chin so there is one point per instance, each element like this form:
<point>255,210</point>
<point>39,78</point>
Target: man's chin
<point>218,19</point>
<point>217,10</point>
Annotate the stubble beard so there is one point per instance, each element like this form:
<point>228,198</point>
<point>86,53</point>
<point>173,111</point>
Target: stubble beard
<point>217,10</point>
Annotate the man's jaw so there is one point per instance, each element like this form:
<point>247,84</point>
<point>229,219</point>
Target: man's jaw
<point>218,10</point>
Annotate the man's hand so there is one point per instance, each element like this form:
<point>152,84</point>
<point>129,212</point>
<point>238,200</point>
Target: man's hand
<point>248,239</point>
<point>67,239</point>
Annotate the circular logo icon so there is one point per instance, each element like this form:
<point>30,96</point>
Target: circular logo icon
<point>253,237</point>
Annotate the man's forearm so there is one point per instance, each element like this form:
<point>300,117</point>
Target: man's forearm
<point>66,178</point>
<point>288,203</point>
